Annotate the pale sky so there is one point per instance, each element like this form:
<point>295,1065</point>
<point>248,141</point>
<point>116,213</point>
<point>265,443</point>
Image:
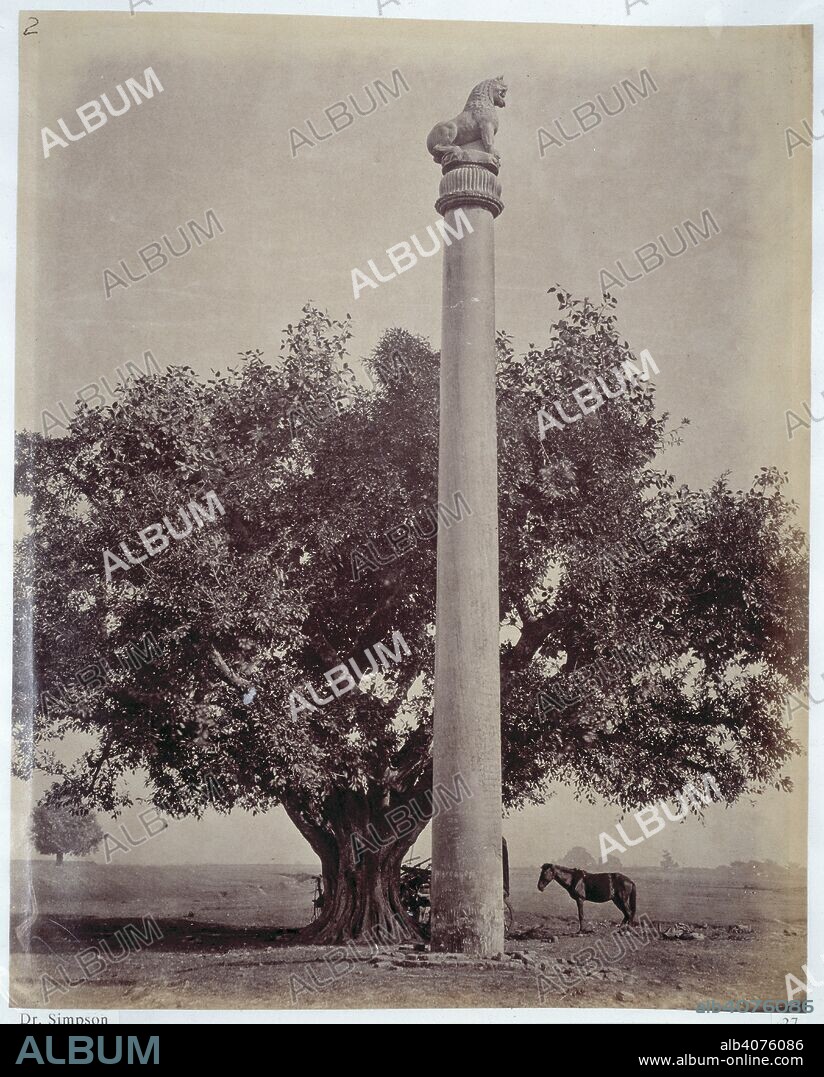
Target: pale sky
<point>727,321</point>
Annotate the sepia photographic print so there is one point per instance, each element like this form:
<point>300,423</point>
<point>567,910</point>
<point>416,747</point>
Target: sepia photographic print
<point>412,441</point>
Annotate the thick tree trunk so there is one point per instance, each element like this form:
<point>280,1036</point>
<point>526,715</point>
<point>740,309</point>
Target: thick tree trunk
<point>363,901</point>
<point>59,859</point>
<point>361,843</point>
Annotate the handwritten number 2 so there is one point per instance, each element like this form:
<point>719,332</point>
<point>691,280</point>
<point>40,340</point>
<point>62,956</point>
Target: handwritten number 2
<point>30,29</point>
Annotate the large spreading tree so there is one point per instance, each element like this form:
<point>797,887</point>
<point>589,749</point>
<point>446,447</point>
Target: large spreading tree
<point>702,593</point>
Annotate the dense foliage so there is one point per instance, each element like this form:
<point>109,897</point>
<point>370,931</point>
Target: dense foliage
<point>602,552</point>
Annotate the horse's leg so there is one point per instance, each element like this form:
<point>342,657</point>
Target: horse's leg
<point>579,902</point>
<point>618,901</point>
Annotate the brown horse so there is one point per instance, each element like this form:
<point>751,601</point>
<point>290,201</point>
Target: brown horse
<point>582,886</point>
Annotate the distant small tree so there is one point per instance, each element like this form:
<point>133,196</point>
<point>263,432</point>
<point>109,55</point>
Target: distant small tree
<point>58,830</point>
<point>579,858</point>
<point>667,862</point>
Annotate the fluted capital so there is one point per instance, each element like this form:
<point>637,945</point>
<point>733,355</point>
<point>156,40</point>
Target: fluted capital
<point>469,185</point>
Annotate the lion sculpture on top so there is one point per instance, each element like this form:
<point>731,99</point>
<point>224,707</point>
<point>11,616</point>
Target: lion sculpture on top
<point>451,142</point>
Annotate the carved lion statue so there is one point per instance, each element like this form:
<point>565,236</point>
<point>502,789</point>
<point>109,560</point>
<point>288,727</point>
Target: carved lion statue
<point>477,123</point>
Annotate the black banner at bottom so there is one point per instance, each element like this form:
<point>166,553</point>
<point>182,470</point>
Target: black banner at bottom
<point>633,1047</point>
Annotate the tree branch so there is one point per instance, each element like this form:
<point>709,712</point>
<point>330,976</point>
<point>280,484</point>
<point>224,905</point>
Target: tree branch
<point>241,683</point>
<point>535,632</point>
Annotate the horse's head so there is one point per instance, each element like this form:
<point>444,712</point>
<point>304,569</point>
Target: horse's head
<point>546,876</point>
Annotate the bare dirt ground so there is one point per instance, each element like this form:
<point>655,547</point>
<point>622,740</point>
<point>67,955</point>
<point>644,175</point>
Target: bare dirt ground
<point>229,941</point>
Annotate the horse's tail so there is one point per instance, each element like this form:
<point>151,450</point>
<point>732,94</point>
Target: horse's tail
<point>633,894</point>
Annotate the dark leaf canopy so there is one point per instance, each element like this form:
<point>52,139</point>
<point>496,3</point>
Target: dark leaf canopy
<point>650,632</point>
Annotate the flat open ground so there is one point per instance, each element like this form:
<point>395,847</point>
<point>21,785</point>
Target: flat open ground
<point>229,942</point>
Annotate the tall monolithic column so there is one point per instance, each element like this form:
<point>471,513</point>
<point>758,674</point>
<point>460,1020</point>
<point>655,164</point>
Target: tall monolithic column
<point>467,885</point>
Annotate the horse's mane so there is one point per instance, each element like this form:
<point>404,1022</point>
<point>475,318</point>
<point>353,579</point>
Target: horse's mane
<point>481,96</point>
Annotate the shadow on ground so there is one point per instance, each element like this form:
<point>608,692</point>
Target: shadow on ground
<point>48,935</point>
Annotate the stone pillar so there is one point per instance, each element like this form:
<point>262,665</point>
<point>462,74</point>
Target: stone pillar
<point>467,886</point>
